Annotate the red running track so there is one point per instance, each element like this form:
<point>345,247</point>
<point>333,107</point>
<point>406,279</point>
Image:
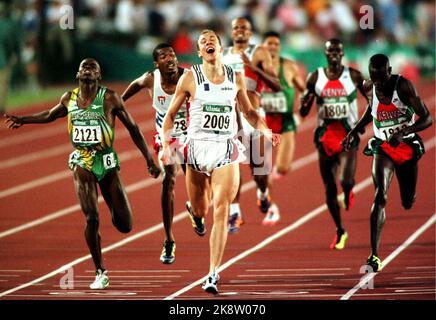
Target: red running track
<point>41,229</point>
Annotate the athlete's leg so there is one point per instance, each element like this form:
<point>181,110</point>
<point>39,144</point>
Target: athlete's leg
<point>199,191</point>
<point>86,190</point>
<point>224,182</point>
<point>407,175</point>
<point>167,199</point>
<point>285,152</point>
<point>113,192</point>
<point>328,167</point>
<point>382,172</point>
<point>348,171</point>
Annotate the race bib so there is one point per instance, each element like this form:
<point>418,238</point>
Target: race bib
<point>87,134</point>
<point>388,131</point>
<point>238,67</point>
<point>180,124</point>
<point>338,110</point>
<point>217,118</point>
<point>274,102</point>
<point>109,161</point>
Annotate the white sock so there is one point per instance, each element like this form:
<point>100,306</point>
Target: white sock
<point>234,208</point>
<point>262,195</point>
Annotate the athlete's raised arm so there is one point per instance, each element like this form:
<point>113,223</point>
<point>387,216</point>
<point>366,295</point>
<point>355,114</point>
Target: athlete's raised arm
<point>143,82</point>
<point>58,111</point>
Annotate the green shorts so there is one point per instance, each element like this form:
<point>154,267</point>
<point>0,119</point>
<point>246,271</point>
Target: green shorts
<point>97,162</point>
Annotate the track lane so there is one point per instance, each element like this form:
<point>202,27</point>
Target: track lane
<point>156,245</point>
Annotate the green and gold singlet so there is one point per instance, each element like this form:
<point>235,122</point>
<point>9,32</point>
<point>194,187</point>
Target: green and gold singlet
<point>91,136</point>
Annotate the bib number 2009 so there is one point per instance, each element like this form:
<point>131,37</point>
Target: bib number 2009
<point>216,118</point>
<point>216,122</point>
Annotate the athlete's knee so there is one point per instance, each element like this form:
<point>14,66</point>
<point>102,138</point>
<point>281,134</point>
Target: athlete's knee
<point>408,203</point>
<point>92,221</point>
<point>347,183</point>
<point>380,198</point>
<point>123,225</point>
<point>168,181</point>
<point>331,190</point>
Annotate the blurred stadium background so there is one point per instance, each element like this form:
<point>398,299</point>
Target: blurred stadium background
<point>43,41</point>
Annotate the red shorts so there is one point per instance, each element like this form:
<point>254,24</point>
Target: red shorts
<point>176,143</point>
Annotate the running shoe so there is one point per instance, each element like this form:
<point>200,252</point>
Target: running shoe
<point>101,280</point>
<point>168,252</point>
<point>197,223</point>
<point>264,204</point>
<point>339,241</point>
<point>374,262</point>
<point>272,216</point>
<point>235,222</point>
<point>348,202</point>
<point>211,284</point>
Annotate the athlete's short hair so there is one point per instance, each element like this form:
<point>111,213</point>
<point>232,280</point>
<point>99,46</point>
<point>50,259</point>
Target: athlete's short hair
<point>157,48</point>
<point>332,41</point>
<point>379,61</point>
<point>271,33</point>
<point>210,31</point>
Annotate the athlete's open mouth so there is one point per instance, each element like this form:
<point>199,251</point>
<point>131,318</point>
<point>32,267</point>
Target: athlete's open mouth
<point>210,50</point>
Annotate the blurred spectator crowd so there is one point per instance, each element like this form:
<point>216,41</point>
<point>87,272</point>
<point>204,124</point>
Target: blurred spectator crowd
<point>141,24</point>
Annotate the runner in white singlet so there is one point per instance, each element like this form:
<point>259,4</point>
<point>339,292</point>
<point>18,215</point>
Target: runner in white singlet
<point>160,85</point>
<point>212,89</point>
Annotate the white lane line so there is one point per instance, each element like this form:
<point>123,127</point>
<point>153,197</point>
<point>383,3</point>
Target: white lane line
<point>155,228</point>
<point>114,246</point>
<point>360,186</point>
<point>364,281</point>
<point>290,275</point>
<point>299,270</point>
<point>279,285</point>
<point>67,148</point>
<point>423,267</point>
<point>304,219</point>
<point>64,148</point>
<point>51,130</point>
<point>11,270</point>
<point>63,212</point>
<point>420,277</point>
<point>136,276</point>
<point>124,156</point>
<point>417,290</point>
<point>142,271</point>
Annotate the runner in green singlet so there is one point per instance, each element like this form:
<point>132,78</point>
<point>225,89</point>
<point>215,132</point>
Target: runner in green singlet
<point>91,111</point>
